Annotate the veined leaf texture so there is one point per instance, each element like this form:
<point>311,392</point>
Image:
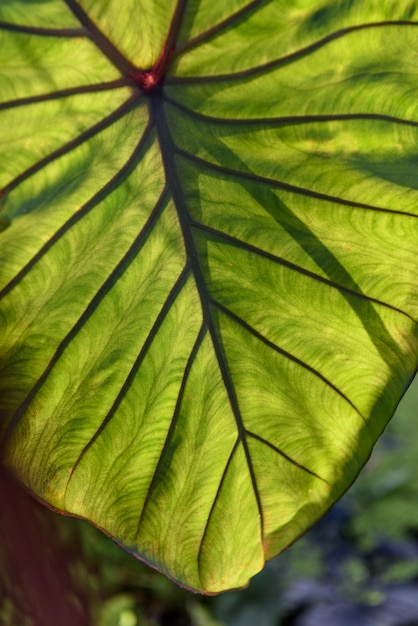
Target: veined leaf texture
<point>208,264</point>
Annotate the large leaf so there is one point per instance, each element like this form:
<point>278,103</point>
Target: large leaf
<point>208,263</point>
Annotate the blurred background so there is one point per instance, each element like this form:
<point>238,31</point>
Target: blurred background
<point>358,565</point>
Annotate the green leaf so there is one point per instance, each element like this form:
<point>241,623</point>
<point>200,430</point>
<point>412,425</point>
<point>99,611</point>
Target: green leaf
<point>208,293</point>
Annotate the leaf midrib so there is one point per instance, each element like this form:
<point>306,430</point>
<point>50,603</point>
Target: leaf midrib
<point>167,148</point>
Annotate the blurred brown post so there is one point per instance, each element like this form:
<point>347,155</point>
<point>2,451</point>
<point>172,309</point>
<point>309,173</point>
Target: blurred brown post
<point>34,564</point>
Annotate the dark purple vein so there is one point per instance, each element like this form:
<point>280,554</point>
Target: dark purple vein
<point>173,180</point>
<point>170,41</point>
<point>104,289</point>
<point>43,32</point>
<point>74,143</point>
<point>65,93</point>
<point>169,302</point>
<point>286,120</point>
<point>286,186</point>
<point>152,78</point>
<point>286,59</point>
<point>102,42</point>
<point>285,456</point>
<point>239,16</point>
<point>112,184</point>
<point>173,423</point>
<point>236,318</point>
<point>296,268</point>
<point>215,500</point>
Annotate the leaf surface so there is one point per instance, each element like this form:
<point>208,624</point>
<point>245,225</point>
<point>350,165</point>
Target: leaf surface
<point>208,239</point>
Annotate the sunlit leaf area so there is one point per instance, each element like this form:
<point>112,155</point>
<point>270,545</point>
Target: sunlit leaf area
<point>358,565</point>
<point>208,303</point>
